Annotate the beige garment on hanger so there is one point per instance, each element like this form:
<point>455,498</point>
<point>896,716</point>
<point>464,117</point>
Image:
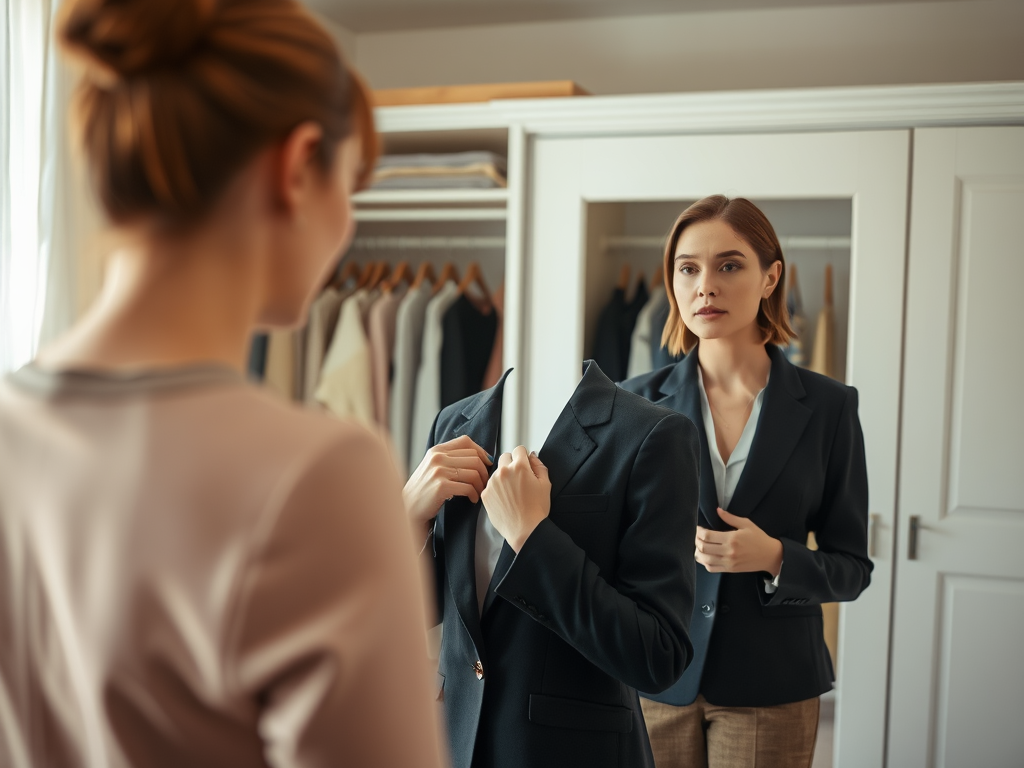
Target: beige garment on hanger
<point>323,318</point>
<point>823,357</point>
<point>381,334</point>
<point>345,381</point>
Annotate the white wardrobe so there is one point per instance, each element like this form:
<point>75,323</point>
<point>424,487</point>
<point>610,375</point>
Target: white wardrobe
<point>920,213</point>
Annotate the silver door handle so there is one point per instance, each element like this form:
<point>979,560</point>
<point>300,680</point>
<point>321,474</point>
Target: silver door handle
<point>874,520</point>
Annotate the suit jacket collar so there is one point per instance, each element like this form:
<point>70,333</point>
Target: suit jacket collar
<point>566,449</point>
<point>782,422</point>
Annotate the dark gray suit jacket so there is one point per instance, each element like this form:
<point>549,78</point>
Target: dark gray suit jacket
<point>595,605</point>
<point>806,471</point>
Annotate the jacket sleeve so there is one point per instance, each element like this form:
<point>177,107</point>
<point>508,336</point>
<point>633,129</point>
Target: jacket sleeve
<point>840,568</point>
<point>326,644</point>
<point>634,628</point>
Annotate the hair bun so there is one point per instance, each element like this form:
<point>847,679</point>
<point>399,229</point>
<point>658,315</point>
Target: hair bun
<point>122,38</point>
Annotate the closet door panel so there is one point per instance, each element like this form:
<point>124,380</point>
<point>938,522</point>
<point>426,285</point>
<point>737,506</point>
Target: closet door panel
<point>870,169</point>
<point>958,623</point>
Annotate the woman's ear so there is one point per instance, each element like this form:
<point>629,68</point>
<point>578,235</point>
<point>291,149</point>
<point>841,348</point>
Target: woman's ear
<point>774,274</point>
<point>296,171</point>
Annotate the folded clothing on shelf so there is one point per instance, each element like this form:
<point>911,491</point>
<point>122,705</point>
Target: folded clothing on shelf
<point>459,170</point>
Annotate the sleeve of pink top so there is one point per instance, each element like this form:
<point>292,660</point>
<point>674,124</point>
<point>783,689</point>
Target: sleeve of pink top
<point>328,639</point>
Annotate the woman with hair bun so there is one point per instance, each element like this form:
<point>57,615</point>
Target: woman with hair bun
<point>193,573</point>
<point>782,455</point>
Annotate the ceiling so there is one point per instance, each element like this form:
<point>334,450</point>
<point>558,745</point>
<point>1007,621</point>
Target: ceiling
<point>363,16</point>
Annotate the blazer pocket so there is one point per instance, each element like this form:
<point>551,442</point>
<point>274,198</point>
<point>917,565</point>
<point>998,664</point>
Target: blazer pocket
<point>579,715</point>
<point>593,502</point>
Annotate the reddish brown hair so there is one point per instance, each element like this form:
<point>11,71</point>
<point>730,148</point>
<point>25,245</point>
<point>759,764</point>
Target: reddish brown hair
<point>750,223</point>
<point>179,94</point>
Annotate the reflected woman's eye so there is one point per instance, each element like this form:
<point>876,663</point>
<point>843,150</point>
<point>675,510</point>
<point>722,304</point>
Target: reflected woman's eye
<point>686,269</point>
<point>730,266</point>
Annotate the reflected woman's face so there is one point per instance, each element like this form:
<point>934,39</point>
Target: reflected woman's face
<point>718,281</point>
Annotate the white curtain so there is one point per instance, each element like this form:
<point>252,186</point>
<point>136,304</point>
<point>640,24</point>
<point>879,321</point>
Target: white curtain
<point>37,193</point>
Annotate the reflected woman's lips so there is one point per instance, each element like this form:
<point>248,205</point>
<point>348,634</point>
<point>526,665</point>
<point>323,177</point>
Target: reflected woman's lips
<point>709,312</point>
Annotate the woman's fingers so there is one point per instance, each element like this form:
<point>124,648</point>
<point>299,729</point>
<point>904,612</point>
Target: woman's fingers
<point>468,470</point>
<point>464,443</point>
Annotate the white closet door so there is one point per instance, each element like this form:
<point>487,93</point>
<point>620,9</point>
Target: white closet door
<point>958,623</point>
<point>869,168</point>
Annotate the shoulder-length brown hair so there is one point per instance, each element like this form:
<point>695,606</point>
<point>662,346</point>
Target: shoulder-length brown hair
<point>747,221</point>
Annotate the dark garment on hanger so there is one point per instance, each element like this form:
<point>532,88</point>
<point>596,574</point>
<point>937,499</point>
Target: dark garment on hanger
<point>468,339</point>
<point>596,603</point>
<point>660,356</point>
<point>615,331</point>
<point>258,356</point>
<point>806,471</point>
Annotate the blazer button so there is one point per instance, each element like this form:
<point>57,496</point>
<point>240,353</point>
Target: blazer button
<point>479,669</point>
<point>708,609</point>
<point>723,608</point>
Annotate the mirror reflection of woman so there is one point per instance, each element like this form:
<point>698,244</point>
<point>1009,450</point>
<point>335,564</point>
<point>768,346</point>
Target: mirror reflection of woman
<point>782,456</point>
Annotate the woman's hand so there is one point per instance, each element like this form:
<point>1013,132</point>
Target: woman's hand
<point>518,496</point>
<point>744,550</point>
<point>455,468</point>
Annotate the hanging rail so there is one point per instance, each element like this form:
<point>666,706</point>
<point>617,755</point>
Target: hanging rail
<point>426,243</point>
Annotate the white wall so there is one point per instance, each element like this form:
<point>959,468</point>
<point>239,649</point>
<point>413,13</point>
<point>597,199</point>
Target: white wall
<point>906,43</point>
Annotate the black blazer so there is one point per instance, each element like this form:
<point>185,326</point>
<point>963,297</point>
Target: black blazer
<point>806,472</point>
<point>595,605</point>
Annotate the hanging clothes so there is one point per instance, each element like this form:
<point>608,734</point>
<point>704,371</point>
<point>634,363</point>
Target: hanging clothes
<point>470,326</point>
<point>641,359</point>
<point>381,334</point>
<point>823,357</point>
<point>409,323</point>
<point>615,331</point>
<point>345,381</point>
<point>495,365</point>
<point>795,352</point>
<point>323,318</point>
<point>427,400</point>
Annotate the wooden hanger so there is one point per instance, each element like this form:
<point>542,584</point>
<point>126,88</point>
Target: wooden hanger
<point>350,271</point>
<point>366,275</point>
<point>381,271</point>
<point>623,284</point>
<point>448,272</point>
<point>402,273</point>
<point>474,276</point>
<point>425,272</point>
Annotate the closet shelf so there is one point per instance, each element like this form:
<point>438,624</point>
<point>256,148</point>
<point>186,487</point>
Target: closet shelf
<point>431,214</point>
<point>793,243</point>
<point>491,197</point>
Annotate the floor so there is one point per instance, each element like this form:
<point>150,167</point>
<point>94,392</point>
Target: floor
<point>826,721</point>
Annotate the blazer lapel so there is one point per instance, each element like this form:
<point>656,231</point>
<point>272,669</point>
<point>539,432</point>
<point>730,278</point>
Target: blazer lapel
<point>779,428</point>
<point>482,422</point>
<point>567,446</point>
<point>682,394</point>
